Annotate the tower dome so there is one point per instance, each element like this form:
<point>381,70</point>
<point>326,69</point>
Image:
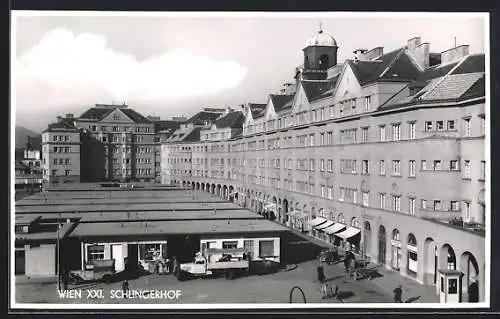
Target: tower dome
<point>320,38</point>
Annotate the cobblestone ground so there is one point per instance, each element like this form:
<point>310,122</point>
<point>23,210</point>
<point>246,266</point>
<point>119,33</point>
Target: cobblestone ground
<point>271,288</point>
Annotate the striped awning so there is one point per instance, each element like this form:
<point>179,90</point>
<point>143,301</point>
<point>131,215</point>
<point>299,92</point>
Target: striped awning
<point>335,228</point>
<point>324,225</point>
<point>349,232</point>
<point>317,221</point>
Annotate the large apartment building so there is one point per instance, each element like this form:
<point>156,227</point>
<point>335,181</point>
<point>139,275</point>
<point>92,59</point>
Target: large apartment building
<point>106,143</point>
<point>383,154</point>
<point>61,152</point>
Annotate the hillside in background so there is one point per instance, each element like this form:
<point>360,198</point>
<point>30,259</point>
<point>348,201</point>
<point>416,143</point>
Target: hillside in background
<point>21,137</point>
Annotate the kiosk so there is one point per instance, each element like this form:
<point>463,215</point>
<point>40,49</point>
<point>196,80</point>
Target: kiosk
<point>450,286</point>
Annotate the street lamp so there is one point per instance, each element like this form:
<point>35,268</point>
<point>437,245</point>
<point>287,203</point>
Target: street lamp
<point>58,253</point>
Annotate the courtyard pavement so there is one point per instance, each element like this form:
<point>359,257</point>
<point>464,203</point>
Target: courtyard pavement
<point>270,288</point>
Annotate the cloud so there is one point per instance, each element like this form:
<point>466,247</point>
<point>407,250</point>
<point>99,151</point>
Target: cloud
<point>68,68</point>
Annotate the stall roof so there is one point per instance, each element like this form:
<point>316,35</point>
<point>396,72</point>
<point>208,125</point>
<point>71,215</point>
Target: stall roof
<point>135,229</point>
<point>317,221</point>
<point>334,228</point>
<point>52,235</point>
<point>26,219</point>
<point>324,225</point>
<point>89,217</point>
<point>348,233</point>
<point>121,207</point>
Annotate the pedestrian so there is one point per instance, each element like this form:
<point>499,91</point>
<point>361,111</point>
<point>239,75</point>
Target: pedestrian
<point>347,264</point>
<point>167,265</point>
<point>321,274</point>
<point>398,294</point>
<point>324,290</point>
<point>125,288</point>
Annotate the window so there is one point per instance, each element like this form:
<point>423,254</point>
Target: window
<point>54,172</point>
<point>266,248</point>
<point>482,173</point>
<point>396,132</point>
<point>68,161</point>
<point>437,205</point>
<point>396,167</point>
<point>330,192</point>
<point>311,165</point>
<point>342,194</point>
<point>365,170</point>
<point>322,139</point>
<point>424,165</point>
<point>454,206</point>
<point>364,134</point>
<point>467,127</point>
<point>368,103</point>
<point>437,165</point>
<point>366,198</point>
<point>466,173</point>
<point>451,125</point>
<point>382,200</point>
<point>396,203</point>
<point>411,168</point>
<point>322,167</point>
<point>382,167</point>
<point>150,251</point>
<point>230,244</point>
<point>67,172</point>
<point>440,125</point>
<point>428,126</point>
<point>322,190</point>
<point>411,130</point>
<point>482,124</point>
<point>95,252</point>
<point>424,204</point>
<point>467,211</point>
<point>330,165</point>
<point>382,133</point>
<point>454,165</point>
<point>311,138</point>
<point>411,205</point>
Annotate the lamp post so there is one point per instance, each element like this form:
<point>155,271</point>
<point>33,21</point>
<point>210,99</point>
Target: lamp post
<point>58,254</point>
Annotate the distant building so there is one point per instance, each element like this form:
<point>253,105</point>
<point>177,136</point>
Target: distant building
<point>61,152</point>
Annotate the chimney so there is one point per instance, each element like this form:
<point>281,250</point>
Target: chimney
<point>374,53</point>
<point>69,115</point>
<point>421,54</point>
<point>288,88</point>
<point>359,54</point>
<point>413,43</point>
<point>59,119</point>
<point>454,54</point>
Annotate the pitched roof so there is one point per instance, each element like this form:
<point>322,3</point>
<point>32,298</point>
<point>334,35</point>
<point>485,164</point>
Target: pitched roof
<point>233,119</point>
<point>166,125</point>
<point>191,134</point>
<point>458,80</point>
<point>392,66</point>
<point>204,117</point>
<point>98,113</point>
<point>257,110</point>
<point>135,116</point>
<point>318,89</point>
<point>62,125</point>
<point>279,101</point>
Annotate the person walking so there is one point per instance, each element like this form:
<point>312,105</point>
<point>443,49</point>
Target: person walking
<point>125,288</point>
<point>321,274</point>
<point>347,264</point>
<point>398,294</point>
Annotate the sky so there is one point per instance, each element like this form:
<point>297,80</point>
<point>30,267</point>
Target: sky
<point>176,65</point>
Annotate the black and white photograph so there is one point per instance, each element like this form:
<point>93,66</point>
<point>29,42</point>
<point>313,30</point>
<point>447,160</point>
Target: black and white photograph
<point>239,160</point>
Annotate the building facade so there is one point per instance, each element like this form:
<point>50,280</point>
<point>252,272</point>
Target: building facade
<point>61,152</point>
<point>383,154</point>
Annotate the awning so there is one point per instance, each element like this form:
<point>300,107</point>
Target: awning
<point>316,221</point>
<point>334,228</point>
<point>349,232</point>
<point>326,224</point>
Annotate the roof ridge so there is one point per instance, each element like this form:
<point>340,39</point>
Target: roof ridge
<point>391,64</point>
<point>444,77</point>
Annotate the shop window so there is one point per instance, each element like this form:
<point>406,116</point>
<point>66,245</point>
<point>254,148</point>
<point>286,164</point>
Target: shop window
<point>229,244</point>
<point>150,251</point>
<point>266,248</point>
<point>452,288</point>
<point>95,252</point>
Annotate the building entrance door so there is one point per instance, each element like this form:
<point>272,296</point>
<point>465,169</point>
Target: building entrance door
<point>117,253</point>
